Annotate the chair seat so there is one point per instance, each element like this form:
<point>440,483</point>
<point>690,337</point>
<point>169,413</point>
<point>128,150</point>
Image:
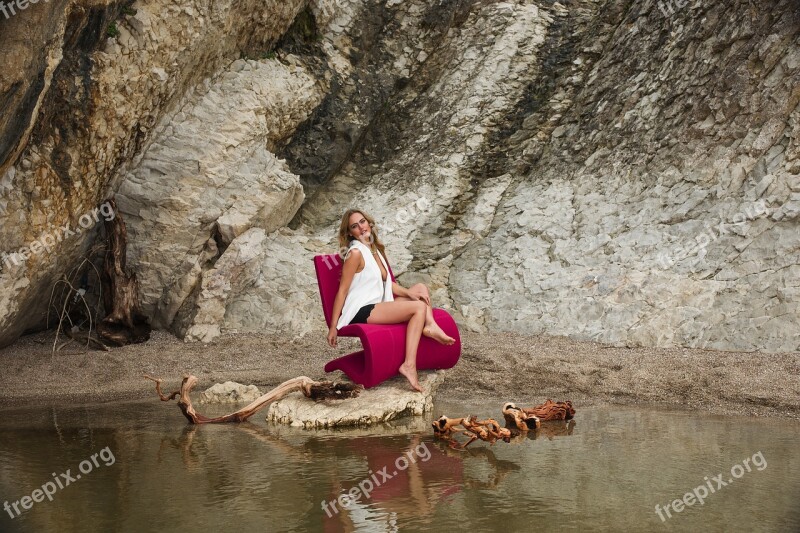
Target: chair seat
<point>384,344</point>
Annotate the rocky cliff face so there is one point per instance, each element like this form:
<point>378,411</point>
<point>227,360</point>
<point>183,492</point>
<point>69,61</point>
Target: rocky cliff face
<point>614,170</point>
<point>83,87</point>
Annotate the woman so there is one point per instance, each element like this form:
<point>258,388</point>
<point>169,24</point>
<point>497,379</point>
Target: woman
<point>366,293</point>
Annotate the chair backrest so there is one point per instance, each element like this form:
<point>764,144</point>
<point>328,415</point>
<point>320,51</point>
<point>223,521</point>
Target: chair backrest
<point>329,272</point>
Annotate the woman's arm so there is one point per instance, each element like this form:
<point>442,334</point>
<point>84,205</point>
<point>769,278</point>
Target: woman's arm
<point>417,292</point>
<point>399,290</point>
<point>349,269</point>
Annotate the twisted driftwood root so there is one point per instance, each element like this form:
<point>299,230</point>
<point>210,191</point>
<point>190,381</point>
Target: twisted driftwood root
<point>531,418</point>
<point>316,390</point>
<point>551,410</point>
<point>518,419</point>
<point>487,430</point>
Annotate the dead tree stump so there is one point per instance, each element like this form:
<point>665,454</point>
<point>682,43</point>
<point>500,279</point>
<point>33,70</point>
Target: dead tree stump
<point>124,322</point>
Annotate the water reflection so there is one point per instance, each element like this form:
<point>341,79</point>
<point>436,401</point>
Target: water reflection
<point>437,474</point>
<point>606,469</point>
<point>552,429</point>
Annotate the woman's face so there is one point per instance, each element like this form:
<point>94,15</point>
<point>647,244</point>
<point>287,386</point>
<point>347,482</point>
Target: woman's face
<point>359,227</point>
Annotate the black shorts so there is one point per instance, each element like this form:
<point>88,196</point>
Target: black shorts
<point>363,314</point>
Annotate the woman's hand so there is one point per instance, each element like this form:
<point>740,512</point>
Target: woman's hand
<point>332,334</point>
<point>419,293</point>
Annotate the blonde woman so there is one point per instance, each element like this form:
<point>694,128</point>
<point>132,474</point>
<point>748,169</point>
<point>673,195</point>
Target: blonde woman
<point>367,294</point>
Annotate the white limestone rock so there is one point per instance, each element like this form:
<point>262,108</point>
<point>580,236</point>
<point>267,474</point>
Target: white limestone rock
<point>165,51</point>
<point>208,190</point>
<point>229,392</point>
<point>534,185</point>
<point>390,400</point>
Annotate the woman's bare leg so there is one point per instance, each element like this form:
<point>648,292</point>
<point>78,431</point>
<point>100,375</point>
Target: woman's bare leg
<point>431,328</point>
<point>435,332</point>
<point>398,312</point>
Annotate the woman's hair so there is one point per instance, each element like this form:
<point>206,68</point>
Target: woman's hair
<point>344,232</point>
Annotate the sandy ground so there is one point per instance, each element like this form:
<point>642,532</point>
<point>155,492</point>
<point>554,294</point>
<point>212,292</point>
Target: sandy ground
<point>496,367</point>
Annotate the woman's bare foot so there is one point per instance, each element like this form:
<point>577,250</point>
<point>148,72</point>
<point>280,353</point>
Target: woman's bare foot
<point>436,333</point>
<point>410,372</point>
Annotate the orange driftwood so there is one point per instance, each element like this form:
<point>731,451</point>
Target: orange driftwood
<point>487,430</point>
<point>531,418</point>
<point>316,390</point>
<point>551,410</point>
<point>518,419</point>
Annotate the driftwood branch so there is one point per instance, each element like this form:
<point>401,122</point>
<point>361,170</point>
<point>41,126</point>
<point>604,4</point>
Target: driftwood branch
<point>161,395</point>
<point>524,419</point>
<point>486,430</point>
<point>316,390</point>
<point>551,410</point>
<point>518,421</point>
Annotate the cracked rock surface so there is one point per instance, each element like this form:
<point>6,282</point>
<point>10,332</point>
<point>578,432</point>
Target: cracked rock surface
<point>603,170</point>
<point>392,400</point>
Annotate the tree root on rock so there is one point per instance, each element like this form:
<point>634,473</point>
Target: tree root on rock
<point>316,390</point>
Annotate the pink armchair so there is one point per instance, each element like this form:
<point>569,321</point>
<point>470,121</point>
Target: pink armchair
<point>385,344</point>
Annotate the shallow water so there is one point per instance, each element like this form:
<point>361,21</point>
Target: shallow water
<point>605,471</point>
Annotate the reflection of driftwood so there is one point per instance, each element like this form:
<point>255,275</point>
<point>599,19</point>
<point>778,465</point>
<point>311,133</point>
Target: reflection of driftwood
<point>316,390</point>
<point>554,428</point>
<point>124,322</point>
<point>487,430</point>
<point>184,443</point>
<point>193,449</point>
<point>499,468</point>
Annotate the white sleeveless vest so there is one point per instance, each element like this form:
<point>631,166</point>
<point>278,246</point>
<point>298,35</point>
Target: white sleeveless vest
<point>367,287</point>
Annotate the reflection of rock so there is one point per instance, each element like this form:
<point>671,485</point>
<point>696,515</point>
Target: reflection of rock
<point>230,392</point>
<point>388,401</point>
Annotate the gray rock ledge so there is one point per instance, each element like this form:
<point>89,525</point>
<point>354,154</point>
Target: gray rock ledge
<point>229,392</point>
<point>388,401</point>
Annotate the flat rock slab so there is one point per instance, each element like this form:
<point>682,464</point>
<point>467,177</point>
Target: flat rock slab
<point>229,392</point>
<point>388,401</point>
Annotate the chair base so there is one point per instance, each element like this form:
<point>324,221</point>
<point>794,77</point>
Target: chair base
<point>384,351</point>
